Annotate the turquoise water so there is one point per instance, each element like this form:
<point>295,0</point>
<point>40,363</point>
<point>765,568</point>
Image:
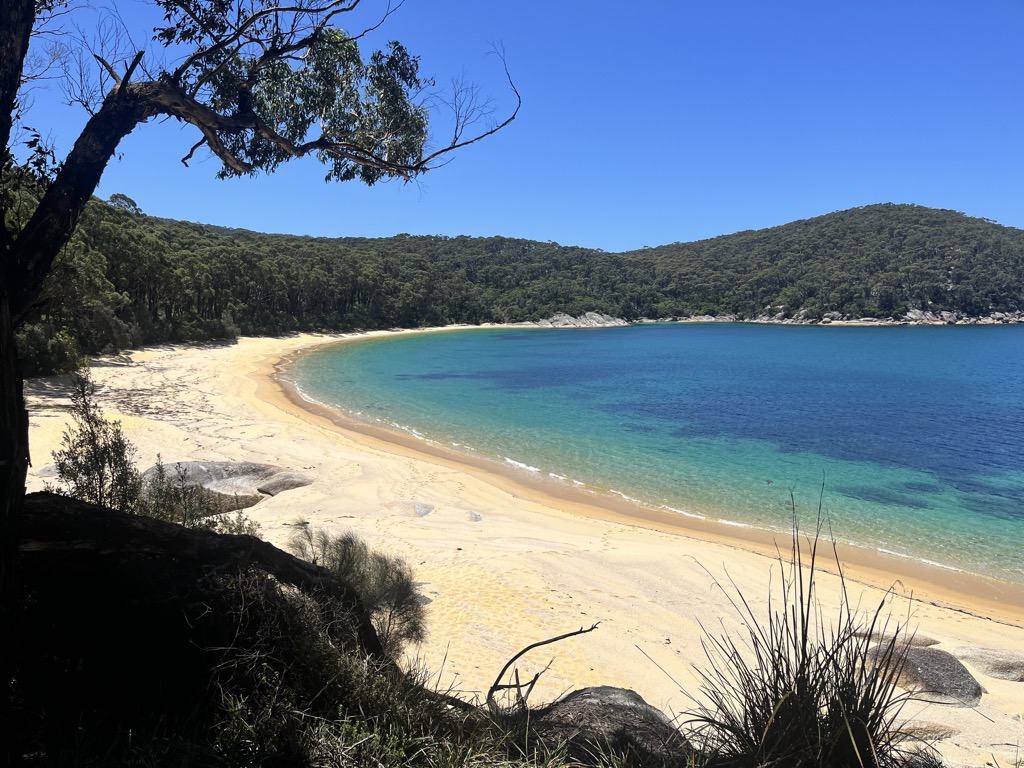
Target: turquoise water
<point>915,432</point>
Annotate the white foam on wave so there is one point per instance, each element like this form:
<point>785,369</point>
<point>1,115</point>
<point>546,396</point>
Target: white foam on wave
<point>520,465</point>
<point>408,430</point>
<point>924,560</point>
<point>621,495</point>
<point>556,476</point>
<point>735,524</point>
<point>683,512</point>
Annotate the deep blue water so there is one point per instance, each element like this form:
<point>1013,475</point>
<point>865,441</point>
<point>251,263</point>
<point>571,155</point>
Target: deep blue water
<point>915,432</point>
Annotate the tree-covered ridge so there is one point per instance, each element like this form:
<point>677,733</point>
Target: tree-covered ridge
<point>875,261</point>
<point>127,278</point>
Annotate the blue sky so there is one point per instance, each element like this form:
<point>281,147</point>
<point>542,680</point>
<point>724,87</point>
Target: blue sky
<point>652,122</point>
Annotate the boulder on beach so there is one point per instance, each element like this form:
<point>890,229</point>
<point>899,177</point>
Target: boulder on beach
<point>283,481</point>
<point>592,721</point>
<point>245,480</point>
<point>937,676</point>
<point>1002,665</point>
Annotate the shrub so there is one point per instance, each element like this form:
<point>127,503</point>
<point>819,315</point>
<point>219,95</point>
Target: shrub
<point>171,497</point>
<point>44,349</point>
<point>804,690</point>
<point>96,463</point>
<point>384,582</point>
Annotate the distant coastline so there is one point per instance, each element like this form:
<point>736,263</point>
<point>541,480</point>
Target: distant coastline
<point>913,317</point>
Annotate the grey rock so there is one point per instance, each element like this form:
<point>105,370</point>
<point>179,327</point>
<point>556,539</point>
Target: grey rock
<point>586,320</point>
<point>911,639</point>
<point>229,478</point>
<point>937,676</point>
<point>593,721</point>
<point>1003,665</point>
<point>283,481</point>
<point>410,507</point>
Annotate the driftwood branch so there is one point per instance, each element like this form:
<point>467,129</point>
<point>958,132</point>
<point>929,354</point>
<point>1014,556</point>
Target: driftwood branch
<point>521,699</point>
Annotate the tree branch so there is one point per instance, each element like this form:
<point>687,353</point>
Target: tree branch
<point>19,18</point>
<point>106,65</point>
<point>35,248</point>
<point>497,685</point>
<point>424,164</point>
<point>131,68</point>
<point>330,10</point>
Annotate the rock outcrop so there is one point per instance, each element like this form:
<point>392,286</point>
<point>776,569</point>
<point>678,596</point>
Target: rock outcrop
<point>586,320</point>
<point>937,676</point>
<point>283,481</point>
<point>242,479</point>
<point>592,722</point>
<point>1002,665</point>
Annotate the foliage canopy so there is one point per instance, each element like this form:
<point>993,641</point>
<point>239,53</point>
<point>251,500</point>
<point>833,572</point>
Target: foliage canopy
<point>128,278</point>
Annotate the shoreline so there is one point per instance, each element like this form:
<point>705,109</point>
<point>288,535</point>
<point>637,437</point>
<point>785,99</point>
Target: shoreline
<point>504,563</point>
<point>922,581</point>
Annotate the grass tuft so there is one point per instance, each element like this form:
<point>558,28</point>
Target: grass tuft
<point>802,688</point>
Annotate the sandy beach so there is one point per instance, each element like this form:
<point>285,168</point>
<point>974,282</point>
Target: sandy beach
<point>507,560</point>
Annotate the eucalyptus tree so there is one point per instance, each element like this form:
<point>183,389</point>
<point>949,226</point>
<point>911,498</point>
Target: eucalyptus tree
<point>262,82</point>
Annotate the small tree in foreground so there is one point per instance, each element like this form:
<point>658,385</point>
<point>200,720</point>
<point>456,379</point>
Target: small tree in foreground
<point>260,82</point>
<point>97,462</point>
<point>172,497</point>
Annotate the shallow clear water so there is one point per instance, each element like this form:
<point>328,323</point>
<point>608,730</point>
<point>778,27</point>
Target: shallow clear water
<point>915,432</point>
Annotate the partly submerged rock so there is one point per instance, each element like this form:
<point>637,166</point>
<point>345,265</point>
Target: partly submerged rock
<point>593,722</point>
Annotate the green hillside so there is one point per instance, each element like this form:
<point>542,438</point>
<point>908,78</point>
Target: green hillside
<point>128,278</point>
<point>876,261</point>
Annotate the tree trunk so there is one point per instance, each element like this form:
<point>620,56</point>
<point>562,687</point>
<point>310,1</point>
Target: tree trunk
<point>13,468</point>
<point>71,539</point>
<point>32,253</point>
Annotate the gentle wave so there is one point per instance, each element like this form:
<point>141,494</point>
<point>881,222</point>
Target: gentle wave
<point>926,561</point>
<point>683,512</point>
<point>521,465</point>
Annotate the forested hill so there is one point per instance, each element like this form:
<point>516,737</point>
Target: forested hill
<point>128,278</point>
<point>876,261</point>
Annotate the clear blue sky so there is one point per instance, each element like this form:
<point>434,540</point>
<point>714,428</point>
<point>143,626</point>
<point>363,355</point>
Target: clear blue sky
<point>655,121</point>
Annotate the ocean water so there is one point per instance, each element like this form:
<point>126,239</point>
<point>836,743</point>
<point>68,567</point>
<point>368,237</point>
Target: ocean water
<point>910,437</point>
